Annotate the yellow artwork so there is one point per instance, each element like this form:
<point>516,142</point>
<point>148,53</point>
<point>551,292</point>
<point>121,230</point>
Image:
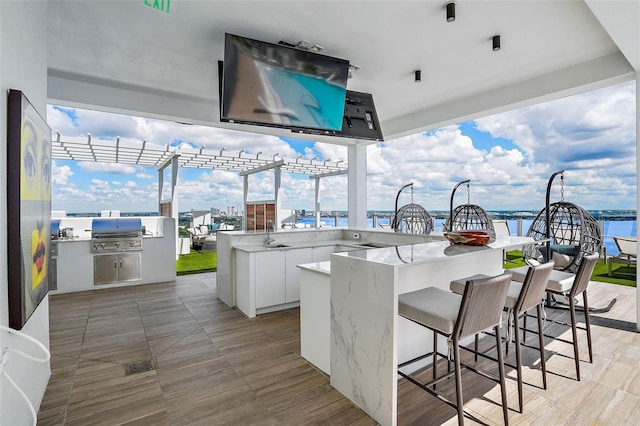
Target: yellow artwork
<point>29,206</point>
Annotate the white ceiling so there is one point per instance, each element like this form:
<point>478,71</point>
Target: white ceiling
<point>123,56</point>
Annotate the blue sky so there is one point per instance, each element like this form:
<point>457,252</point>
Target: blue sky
<point>508,157</point>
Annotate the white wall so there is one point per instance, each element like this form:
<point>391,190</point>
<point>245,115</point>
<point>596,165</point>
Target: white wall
<point>23,66</point>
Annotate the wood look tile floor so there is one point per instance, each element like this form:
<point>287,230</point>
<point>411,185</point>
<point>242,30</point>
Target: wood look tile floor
<point>210,365</point>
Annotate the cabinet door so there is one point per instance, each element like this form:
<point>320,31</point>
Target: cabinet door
<point>129,267</point>
<point>322,253</point>
<point>294,258</point>
<point>105,269</point>
<point>269,278</point>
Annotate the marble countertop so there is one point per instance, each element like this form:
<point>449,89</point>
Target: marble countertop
<point>433,251</point>
<point>320,267</point>
<point>285,245</point>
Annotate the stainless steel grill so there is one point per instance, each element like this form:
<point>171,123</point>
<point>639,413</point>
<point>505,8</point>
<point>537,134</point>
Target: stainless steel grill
<point>116,234</point>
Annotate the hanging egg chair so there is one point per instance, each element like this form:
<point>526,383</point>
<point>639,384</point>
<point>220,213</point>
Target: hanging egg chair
<point>468,217</point>
<point>411,218</point>
<point>572,232</point>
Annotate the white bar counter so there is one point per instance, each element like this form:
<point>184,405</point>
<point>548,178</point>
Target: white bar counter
<point>315,314</point>
<point>368,338</point>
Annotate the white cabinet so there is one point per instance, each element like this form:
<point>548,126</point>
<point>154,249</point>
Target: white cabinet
<point>292,272</point>
<point>269,278</point>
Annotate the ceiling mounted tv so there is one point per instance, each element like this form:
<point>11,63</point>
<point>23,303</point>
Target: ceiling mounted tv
<point>360,119</point>
<point>276,85</point>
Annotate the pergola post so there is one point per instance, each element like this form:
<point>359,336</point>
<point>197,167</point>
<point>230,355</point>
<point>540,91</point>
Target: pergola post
<point>637,183</point>
<point>173,161</point>
<point>160,184</point>
<point>278,198</point>
<point>357,191</point>
<point>317,191</point>
<point>245,195</point>
<point>317,202</point>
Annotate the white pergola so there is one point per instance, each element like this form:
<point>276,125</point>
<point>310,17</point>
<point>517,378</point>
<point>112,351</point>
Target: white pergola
<point>161,157</point>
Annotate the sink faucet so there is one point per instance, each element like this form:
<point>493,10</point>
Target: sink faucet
<point>268,240</point>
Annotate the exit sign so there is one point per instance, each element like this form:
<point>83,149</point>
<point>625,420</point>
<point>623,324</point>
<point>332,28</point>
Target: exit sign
<point>161,5</point>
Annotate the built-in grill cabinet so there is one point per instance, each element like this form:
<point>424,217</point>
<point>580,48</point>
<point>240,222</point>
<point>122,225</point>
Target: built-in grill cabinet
<point>112,241</point>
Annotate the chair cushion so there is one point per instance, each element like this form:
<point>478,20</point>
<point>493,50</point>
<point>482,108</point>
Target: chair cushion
<point>432,307</point>
<point>561,260</point>
<point>559,281</point>
<point>457,286</point>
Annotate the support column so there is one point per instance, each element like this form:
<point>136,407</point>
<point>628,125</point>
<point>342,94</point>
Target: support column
<point>277,183</point>
<point>245,195</point>
<point>317,202</point>
<point>357,155</point>
<point>637,183</point>
<point>160,184</point>
<point>174,198</point>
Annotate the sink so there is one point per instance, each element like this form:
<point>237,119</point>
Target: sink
<point>376,245</point>
<point>272,246</point>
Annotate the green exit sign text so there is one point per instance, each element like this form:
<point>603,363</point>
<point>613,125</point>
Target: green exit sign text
<point>161,5</point>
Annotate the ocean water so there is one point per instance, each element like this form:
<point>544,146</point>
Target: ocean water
<point>610,227</point>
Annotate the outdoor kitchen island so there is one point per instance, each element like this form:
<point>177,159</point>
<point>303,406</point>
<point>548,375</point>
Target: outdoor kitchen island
<point>368,337</point>
<point>109,252</point>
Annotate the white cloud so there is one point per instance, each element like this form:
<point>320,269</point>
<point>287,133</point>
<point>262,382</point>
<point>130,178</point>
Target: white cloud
<point>60,175</point>
<point>107,167</point>
<point>592,136</point>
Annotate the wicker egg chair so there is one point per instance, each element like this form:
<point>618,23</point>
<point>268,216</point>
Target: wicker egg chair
<point>411,218</point>
<point>572,232</point>
<point>467,217</point>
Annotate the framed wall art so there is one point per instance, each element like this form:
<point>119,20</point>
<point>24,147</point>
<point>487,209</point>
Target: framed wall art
<point>28,208</point>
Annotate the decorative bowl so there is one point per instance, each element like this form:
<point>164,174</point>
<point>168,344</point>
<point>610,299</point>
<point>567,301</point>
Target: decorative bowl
<point>470,238</point>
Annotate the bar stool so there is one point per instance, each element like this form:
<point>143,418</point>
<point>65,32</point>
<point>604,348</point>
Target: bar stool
<point>456,317</point>
<point>521,297</point>
<point>570,285</point>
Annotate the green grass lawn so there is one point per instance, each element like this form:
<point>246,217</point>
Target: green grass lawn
<point>197,262</point>
<point>622,275</point>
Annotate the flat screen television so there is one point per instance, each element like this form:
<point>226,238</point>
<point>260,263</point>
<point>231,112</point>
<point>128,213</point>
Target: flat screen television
<point>360,120</point>
<point>276,85</point>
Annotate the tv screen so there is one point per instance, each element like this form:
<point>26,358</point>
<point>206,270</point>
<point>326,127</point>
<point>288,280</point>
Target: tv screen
<point>360,119</point>
<point>276,85</point>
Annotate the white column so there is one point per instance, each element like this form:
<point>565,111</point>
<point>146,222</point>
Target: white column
<point>357,155</point>
<point>160,184</point>
<point>637,183</point>
<point>174,199</point>
<point>277,183</point>
<point>245,194</point>
<point>317,207</point>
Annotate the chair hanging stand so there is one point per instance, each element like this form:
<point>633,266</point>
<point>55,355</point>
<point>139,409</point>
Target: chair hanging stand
<point>468,217</point>
<point>411,218</point>
<point>570,232</point>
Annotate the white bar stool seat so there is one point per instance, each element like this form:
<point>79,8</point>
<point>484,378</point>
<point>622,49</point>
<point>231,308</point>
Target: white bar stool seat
<point>559,281</point>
